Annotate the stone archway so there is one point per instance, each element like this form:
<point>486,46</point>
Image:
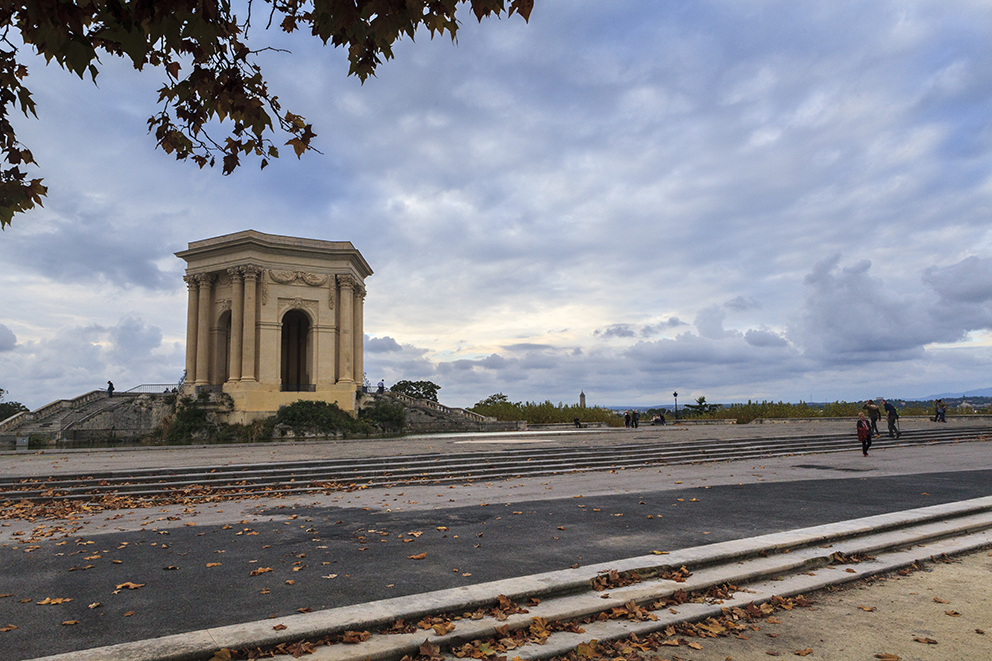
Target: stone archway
<point>295,352</point>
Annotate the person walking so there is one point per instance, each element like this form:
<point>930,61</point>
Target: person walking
<point>864,433</point>
<point>381,388</point>
<point>635,418</point>
<point>892,417</point>
<point>110,388</point>
<point>873,415</point>
<point>940,411</point>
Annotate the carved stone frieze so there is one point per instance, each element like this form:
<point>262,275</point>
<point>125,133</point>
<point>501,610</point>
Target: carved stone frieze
<point>297,304</point>
<point>205,279</point>
<point>225,304</point>
<point>289,277</point>
<point>235,273</point>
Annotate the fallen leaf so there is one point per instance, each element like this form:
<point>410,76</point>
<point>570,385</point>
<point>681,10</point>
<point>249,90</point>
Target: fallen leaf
<point>940,601</point>
<point>330,576</point>
<point>927,641</point>
<point>887,657</point>
<point>952,613</point>
<point>980,632</point>
<point>443,628</point>
<point>69,623</point>
<point>805,652</point>
<point>660,552</point>
<point>695,646</point>
<point>773,620</point>
<point>130,586</point>
<point>419,556</point>
<point>260,570</point>
<point>868,609</point>
<point>129,614</point>
<point>290,582</point>
<point>48,601</point>
<point>223,654</point>
<point>9,627</point>
<point>213,564</point>
<point>95,604</point>
<point>279,627</point>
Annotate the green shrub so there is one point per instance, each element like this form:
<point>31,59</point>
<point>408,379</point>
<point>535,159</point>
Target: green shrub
<point>320,418</point>
<point>384,415</point>
<point>499,406</point>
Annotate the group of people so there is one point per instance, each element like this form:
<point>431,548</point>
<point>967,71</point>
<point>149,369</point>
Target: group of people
<point>868,428</point>
<point>632,418</point>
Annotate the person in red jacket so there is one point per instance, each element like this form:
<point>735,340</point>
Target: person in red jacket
<point>864,433</point>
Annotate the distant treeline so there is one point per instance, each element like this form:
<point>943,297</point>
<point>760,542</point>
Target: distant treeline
<point>500,407</point>
<point>744,413</point>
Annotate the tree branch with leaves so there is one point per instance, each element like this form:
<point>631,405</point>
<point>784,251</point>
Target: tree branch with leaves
<point>210,71</point>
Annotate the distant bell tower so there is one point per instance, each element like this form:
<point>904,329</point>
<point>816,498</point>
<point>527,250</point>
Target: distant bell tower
<point>582,399</point>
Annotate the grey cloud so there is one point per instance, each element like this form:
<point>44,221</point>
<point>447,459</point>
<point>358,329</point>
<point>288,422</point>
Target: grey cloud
<point>671,322</point>
<point>968,281</point>
<point>7,339</point>
<point>616,330</point>
<point>382,345</point>
<point>524,346</point>
<point>742,304</point>
<point>709,323</point>
<point>760,338</point>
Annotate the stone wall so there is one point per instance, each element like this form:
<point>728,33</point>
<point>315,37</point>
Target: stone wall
<point>133,418</point>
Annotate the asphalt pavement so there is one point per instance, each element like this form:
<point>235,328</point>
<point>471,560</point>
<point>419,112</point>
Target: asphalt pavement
<point>225,563</point>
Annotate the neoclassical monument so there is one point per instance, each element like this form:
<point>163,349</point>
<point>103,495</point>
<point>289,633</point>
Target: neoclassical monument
<point>273,319</point>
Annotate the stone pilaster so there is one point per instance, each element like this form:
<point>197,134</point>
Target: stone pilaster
<point>359,334</point>
<point>346,361</point>
<point>237,324</point>
<point>192,308</point>
<point>205,282</point>
<point>250,274</point>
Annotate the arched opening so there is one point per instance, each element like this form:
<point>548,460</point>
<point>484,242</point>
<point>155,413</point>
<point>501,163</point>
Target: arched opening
<point>295,352</point>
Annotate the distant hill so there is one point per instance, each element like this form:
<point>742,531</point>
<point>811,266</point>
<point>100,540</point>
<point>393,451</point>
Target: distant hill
<point>981,392</point>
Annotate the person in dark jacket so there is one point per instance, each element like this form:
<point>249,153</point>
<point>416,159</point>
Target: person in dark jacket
<point>864,433</point>
<point>110,389</point>
<point>873,415</point>
<point>891,416</point>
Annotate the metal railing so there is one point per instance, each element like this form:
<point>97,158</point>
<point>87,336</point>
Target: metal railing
<point>154,388</point>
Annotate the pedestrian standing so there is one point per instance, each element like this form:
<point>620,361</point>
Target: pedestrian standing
<point>635,418</point>
<point>892,417</point>
<point>864,433</point>
<point>626,418</point>
<point>873,416</point>
<point>110,388</point>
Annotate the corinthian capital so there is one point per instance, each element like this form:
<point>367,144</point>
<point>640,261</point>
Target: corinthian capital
<point>205,279</point>
<point>250,271</point>
<point>346,281</point>
<point>234,272</point>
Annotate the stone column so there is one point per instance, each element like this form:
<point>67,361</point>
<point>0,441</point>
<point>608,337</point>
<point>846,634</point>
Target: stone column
<point>191,327</point>
<point>346,363</point>
<point>359,338</point>
<point>205,280</point>
<point>237,324</point>
<point>250,274</point>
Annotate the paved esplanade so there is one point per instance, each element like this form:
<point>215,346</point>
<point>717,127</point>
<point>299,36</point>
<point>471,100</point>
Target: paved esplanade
<point>194,564</point>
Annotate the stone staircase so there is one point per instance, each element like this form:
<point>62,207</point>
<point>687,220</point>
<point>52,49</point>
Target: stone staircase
<point>52,420</point>
<point>423,415</point>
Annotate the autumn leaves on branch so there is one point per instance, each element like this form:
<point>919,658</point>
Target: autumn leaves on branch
<point>210,71</point>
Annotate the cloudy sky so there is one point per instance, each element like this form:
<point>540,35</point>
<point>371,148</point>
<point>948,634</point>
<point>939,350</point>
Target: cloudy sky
<point>739,199</point>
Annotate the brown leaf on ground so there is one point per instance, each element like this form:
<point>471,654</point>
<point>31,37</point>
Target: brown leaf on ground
<point>260,570</point>
<point>213,564</point>
<point>69,623</point>
<point>887,657</point>
<point>279,627</point>
<point>9,627</point>
<point>443,628</point>
<point>355,637</point>
<point>129,614</point>
<point>695,646</point>
<point>419,556</point>
<point>980,632</point>
<point>805,652</point>
<point>868,609</point>
<point>926,641</point>
<point>48,601</point>
<point>130,586</point>
<point>95,604</point>
<point>938,600</point>
<point>952,613</point>
<point>223,654</point>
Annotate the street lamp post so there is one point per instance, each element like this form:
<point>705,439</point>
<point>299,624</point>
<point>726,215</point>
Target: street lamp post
<point>676,396</point>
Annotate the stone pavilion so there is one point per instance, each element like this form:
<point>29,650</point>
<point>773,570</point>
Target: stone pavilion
<point>274,319</point>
